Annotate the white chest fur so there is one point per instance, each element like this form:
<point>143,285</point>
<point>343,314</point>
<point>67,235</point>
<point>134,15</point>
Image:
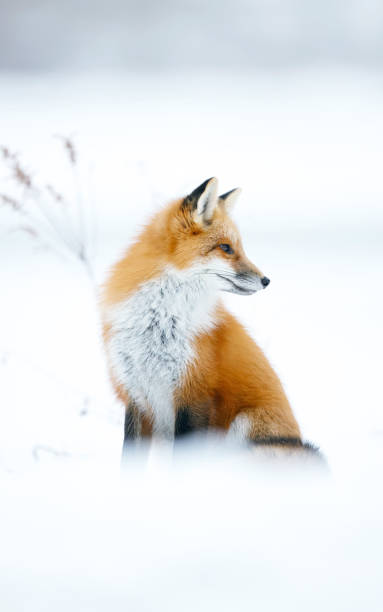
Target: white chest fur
<point>151,342</point>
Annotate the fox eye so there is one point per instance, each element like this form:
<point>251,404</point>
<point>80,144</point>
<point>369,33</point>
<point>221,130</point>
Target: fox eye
<point>226,248</point>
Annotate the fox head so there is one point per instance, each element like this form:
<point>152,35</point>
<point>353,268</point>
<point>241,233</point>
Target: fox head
<point>202,234</point>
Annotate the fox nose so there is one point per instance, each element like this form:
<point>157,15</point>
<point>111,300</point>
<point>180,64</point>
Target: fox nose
<point>265,281</point>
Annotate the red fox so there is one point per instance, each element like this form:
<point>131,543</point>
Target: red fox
<point>178,360</point>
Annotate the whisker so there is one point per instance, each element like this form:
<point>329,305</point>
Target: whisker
<point>221,273</point>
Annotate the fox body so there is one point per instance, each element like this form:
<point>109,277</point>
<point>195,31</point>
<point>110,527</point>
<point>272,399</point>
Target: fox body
<point>172,347</point>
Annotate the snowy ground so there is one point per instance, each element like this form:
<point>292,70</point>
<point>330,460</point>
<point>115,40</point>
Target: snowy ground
<point>218,530</point>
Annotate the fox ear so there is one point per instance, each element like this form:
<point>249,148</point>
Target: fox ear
<point>203,201</point>
<point>227,200</point>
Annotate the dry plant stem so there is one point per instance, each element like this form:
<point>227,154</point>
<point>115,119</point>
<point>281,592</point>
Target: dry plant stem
<point>81,217</point>
<point>92,243</point>
<point>64,212</point>
<point>68,241</point>
<point>44,231</point>
<point>70,244</point>
<point>73,157</point>
<point>84,246</point>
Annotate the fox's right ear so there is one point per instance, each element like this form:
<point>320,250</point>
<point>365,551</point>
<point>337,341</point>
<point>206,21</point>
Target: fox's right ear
<point>202,201</point>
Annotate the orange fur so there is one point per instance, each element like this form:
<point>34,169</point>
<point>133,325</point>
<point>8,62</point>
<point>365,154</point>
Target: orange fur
<point>230,374</point>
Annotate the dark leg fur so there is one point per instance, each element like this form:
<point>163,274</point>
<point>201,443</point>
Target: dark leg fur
<point>130,427</point>
<point>287,442</point>
<point>184,423</point>
<point>285,447</point>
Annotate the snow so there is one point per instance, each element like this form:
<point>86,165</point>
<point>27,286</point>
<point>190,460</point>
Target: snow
<point>223,541</point>
<point>218,529</point>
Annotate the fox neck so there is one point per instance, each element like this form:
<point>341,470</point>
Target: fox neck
<point>190,294</point>
<point>182,297</point>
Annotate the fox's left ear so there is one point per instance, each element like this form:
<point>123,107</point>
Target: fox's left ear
<point>227,200</point>
<point>203,201</point>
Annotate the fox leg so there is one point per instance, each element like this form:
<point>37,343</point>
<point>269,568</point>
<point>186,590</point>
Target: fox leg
<point>137,427</point>
<point>266,441</point>
<point>263,422</point>
<point>131,425</point>
<point>162,413</point>
<point>151,437</point>
<point>136,424</point>
<point>252,406</point>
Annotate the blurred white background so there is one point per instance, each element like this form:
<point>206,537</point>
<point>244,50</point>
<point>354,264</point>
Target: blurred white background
<point>284,99</point>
